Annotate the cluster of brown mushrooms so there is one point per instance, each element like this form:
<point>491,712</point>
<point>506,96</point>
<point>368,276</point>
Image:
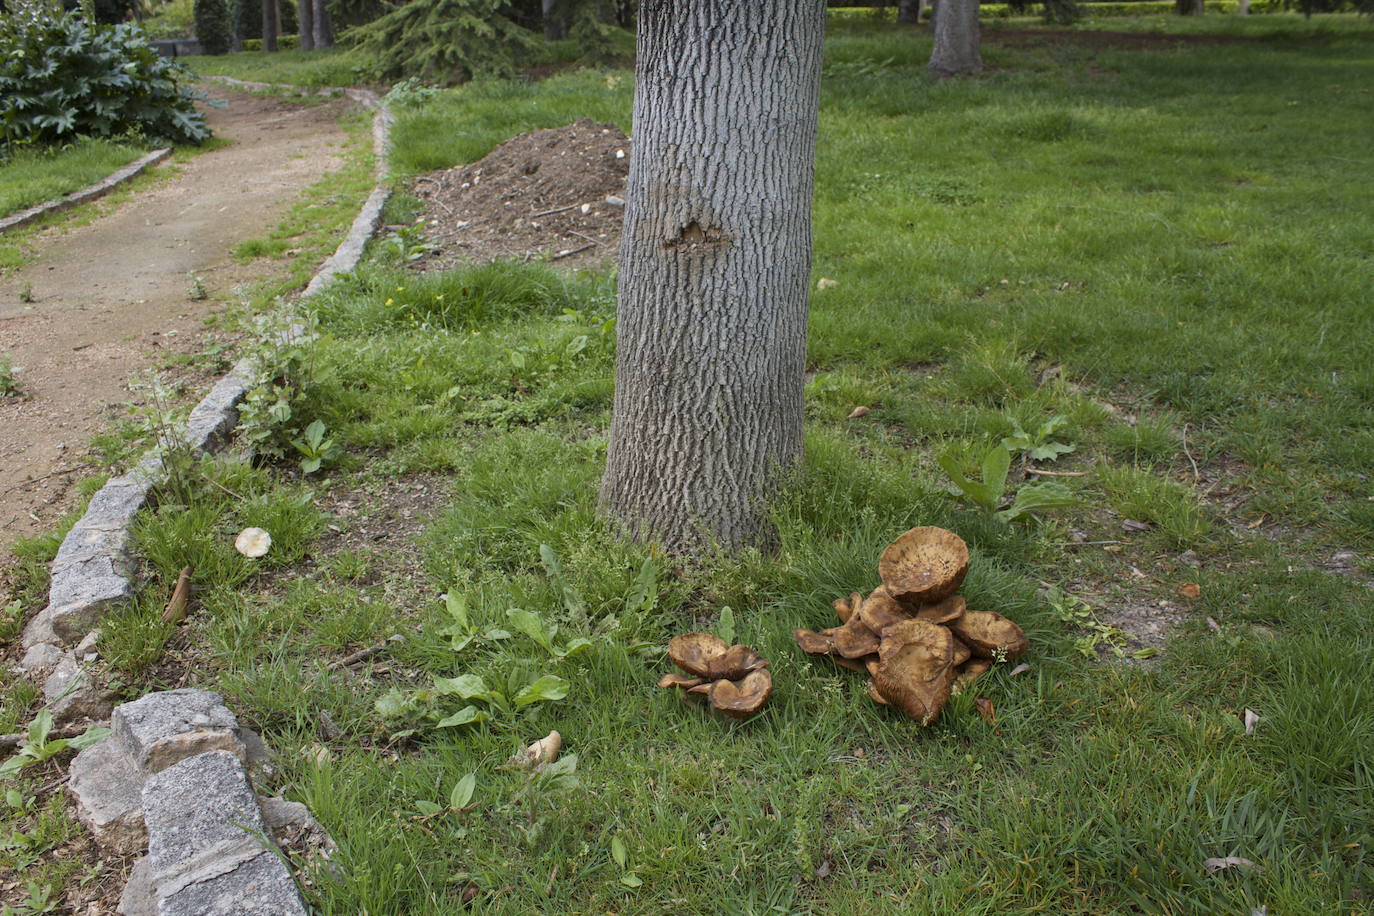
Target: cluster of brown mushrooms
<point>734,679</point>
<point>914,636</point>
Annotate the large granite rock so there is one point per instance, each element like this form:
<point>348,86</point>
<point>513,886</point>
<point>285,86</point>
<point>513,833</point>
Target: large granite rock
<point>107,789</point>
<point>163,728</point>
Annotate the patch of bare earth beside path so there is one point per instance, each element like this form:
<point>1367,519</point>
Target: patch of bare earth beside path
<point>111,297</point>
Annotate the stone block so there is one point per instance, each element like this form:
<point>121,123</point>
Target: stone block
<point>207,843</point>
<point>107,789</point>
<point>71,692</point>
<point>39,630</point>
<point>40,659</point>
<point>138,898</point>
<point>163,728</point>
<point>81,594</point>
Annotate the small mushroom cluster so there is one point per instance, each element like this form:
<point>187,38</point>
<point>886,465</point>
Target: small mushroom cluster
<point>914,636</point>
<point>734,679</point>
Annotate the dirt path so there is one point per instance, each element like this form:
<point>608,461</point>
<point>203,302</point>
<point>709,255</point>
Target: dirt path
<point>111,297</point>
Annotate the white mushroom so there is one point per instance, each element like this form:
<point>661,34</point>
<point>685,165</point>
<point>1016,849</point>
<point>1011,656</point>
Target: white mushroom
<point>253,542</point>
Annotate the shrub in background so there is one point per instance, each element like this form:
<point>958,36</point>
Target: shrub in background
<point>213,26</point>
<point>445,41</point>
<point>62,78</point>
<point>248,18</point>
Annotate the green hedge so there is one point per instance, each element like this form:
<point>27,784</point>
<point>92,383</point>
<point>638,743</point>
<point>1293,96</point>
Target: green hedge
<point>284,43</point>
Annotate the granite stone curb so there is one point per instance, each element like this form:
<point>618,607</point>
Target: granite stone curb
<point>173,777</point>
<point>176,768</point>
<point>85,195</point>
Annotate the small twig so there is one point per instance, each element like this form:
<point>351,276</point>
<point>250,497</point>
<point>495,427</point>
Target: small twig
<point>1196,475</point>
<point>568,254</point>
<point>553,876</point>
<point>1085,543</point>
<point>553,211</point>
<point>216,483</point>
<point>63,731</point>
<point>176,608</point>
<point>1044,473</point>
<point>363,654</point>
<point>581,236</point>
<point>32,480</point>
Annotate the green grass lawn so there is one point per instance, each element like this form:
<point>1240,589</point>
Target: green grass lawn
<point>30,177</point>
<point>1169,249</point>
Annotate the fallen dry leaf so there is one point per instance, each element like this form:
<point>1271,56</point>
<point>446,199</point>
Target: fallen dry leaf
<point>986,709</point>
<point>1190,591</point>
<point>1019,669</point>
<point>860,411</point>
<point>1251,720</point>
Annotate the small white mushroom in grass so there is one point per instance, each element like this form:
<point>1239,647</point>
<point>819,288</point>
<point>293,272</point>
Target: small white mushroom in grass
<point>253,542</point>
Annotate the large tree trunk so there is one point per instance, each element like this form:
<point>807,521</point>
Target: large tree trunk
<point>714,269</point>
<point>271,24</point>
<point>908,10</point>
<point>324,25</point>
<point>956,47</point>
<point>555,23</point>
<point>305,21</point>
<point>1189,7</point>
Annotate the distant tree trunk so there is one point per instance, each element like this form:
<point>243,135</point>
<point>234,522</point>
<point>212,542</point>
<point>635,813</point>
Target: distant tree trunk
<point>715,267</point>
<point>305,21</point>
<point>324,25</point>
<point>271,24</point>
<point>956,47</point>
<point>1245,7</point>
<point>1188,7</point>
<point>555,23</point>
<point>908,10</point>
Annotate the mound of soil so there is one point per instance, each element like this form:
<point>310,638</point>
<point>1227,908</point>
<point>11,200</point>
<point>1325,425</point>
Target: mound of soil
<point>539,195</point>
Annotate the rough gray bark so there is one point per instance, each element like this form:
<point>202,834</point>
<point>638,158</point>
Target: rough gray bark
<point>1245,7</point>
<point>323,25</point>
<point>305,18</point>
<point>714,269</point>
<point>271,24</point>
<point>956,47</point>
<point>908,10</point>
<point>555,23</point>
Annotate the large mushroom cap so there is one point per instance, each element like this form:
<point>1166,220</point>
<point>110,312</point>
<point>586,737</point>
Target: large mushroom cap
<point>924,565</point>
<point>706,655</point>
<point>685,681</point>
<point>880,610</point>
<point>852,640</point>
<point>811,642</point>
<point>990,635</point>
<point>742,699</point>
<point>971,671</point>
<point>844,607</point>
<point>916,668</point>
<point>952,608</point>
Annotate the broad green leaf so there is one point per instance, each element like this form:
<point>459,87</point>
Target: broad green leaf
<point>465,686</point>
<point>996,464</point>
<point>462,791</point>
<point>40,727</point>
<point>533,626</point>
<point>643,593</point>
<point>88,737</point>
<point>1038,498</point>
<point>427,807</point>
<point>618,851</point>
<point>980,493</point>
<point>393,704</point>
<point>725,625</point>
<point>14,765</point>
<point>468,715</point>
<point>1050,451</point>
<point>631,880</point>
<point>580,644</point>
<point>548,687</point>
<point>457,607</point>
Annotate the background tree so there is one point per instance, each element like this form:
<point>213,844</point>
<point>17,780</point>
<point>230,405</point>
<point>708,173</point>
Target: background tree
<point>1188,7</point>
<point>214,29</point>
<point>956,48</point>
<point>909,10</point>
<point>714,269</point>
<point>322,24</point>
<point>271,24</point>
<point>305,17</point>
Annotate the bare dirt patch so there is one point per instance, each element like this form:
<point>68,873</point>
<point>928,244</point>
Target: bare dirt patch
<point>111,297</point>
<point>539,195</point>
